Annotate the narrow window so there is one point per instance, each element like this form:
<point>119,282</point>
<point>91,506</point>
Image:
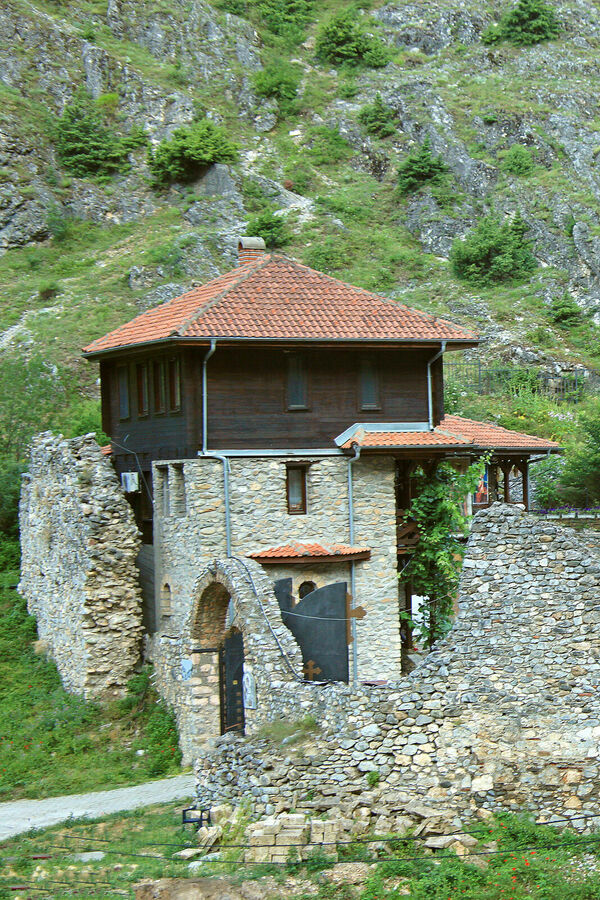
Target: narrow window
<point>174,386</point>
<point>296,489</point>
<point>297,392</point>
<point>141,373</point>
<point>123,380</point>
<point>178,490</point>
<point>159,384</point>
<point>369,385</point>
<point>307,587</point>
<point>165,600</point>
<point>162,490</point>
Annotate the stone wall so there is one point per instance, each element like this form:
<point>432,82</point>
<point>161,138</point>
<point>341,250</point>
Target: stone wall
<point>190,531</point>
<point>78,572</point>
<point>504,713</point>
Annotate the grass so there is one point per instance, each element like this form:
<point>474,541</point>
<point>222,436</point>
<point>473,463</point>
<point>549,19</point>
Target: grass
<point>524,862</point>
<point>52,742</point>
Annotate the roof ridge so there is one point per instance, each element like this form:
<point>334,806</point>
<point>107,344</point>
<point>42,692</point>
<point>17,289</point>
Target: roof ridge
<point>252,268</point>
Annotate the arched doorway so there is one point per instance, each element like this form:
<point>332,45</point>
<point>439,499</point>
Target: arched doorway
<point>231,680</point>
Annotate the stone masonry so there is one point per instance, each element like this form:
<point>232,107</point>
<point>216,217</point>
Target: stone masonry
<point>190,531</point>
<point>78,571</point>
<point>504,713</point>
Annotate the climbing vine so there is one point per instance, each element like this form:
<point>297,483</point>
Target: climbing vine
<point>434,569</point>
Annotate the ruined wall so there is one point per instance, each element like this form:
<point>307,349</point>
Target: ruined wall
<point>78,574</point>
<point>190,531</point>
<point>504,713</point>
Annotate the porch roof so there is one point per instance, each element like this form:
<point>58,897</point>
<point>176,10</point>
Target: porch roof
<point>297,552</point>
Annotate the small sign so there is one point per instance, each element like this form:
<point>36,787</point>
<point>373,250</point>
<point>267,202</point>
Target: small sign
<point>186,669</point>
<point>249,687</point>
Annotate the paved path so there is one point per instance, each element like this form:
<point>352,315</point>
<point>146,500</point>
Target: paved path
<point>21,815</point>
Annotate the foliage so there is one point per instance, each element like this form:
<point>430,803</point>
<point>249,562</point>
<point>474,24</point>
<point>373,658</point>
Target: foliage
<point>564,311</point>
<point>419,167</point>
<point>279,80</point>
<point>373,778</point>
<point>377,118</point>
<point>528,22</point>
<point>84,417</point>
<point>494,250</point>
<point>57,222</point>
<point>345,39</point>
<point>327,146</point>
<point>86,145</point>
<point>185,155</point>
<point>517,160</point>
<point>434,569</point>
<point>31,396</point>
<point>581,476</point>
<point>10,487</point>
<point>271,228</point>
<point>546,478</point>
<point>286,18</point>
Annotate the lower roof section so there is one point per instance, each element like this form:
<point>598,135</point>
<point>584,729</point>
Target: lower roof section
<point>297,552</point>
<point>453,433</point>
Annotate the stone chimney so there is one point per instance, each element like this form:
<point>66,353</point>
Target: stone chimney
<point>250,249</point>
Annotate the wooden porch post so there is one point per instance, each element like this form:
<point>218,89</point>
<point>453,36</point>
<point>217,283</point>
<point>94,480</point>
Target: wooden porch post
<point>524,467</point>
<point>506,470</point>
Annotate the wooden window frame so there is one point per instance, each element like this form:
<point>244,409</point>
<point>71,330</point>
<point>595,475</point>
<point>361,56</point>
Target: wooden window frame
<point>367,363</point>
<point>159,387</point>
<point>174,384</point>
<point>142,384</point>
<point>123,396</point>
<point>296,509</point>
<point>296,360</point>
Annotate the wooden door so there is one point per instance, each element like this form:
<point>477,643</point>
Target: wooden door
<point>231,667</point>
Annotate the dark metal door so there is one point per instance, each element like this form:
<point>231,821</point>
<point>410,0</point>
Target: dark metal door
<point>318,622</point>
<point>231,666</point>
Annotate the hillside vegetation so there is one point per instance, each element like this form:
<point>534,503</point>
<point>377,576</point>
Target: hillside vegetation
<point>445,155</point>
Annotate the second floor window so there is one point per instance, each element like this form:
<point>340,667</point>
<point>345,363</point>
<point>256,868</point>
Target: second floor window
<point>160,386</point>
<point>297,386</point>
<point>174,379</point>
<point>142,389</point>
<point>369,385</point>
<point>296,489</point>
<point>123,382</point>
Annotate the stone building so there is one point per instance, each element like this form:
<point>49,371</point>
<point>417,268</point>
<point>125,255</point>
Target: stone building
<point>274,419</point>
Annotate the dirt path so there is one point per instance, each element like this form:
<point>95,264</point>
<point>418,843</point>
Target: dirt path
<point>21,815</point>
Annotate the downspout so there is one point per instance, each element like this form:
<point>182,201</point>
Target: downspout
<point>219,456</point>
<point>429,384</point>
<point>351,461</point>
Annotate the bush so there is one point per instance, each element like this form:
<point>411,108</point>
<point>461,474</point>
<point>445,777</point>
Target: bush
<point>86,145</point>
<point>326,146</point>
<point>10,488</point>
<point>377,118</point>
<point>418,168</point>
<point>189,151</point>
<point>494,250</point>
<point>271,228</point>
<point>565,311</point>
<point>344,39</point>
<point>58,222</point>
<point>286,18</point>
<point>529,22</point>
<point>518,160</point>
<point>279,80</point>
<point>546,477</point>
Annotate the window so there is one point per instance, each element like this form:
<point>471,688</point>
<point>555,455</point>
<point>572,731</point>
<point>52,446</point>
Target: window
<point>369,385</point>
<point>178,490</point>
<point>296,489</point>
<point>141,375</point>
<point>162,490</point>
<point>123,381</point>
<point>165,600</point>
<point>159,384</point>
<point>307,587</point>
<point>174,385</point>
<point>297,392</point>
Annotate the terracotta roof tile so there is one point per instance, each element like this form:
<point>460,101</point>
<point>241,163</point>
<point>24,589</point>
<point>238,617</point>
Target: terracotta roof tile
<point>453,431</point>
<point>297,550</point>
<point>277,298</point>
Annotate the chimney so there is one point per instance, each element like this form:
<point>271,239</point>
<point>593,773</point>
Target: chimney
<point>250,249</point>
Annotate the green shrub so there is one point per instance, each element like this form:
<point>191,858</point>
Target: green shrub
<point>326,256</point>
<point>494,250</point>
<point>565,311</point>
<point>279,80</point>
<point>377,118</point>
<point>348,89</point>
<point>58,222</point>
<point>271,228</point>
<point>546,476</point>
<point>344,39</point>
<point>373,778</point>
<point>10,554</point>
<point>419,167</point>
<point>185,155</point>
<point>236,7</point>
<point>326,145</point>
<point>86,145</point>
<point>286,18</point>
<point>10,488</point>
<point>529,22</point>
<point>517,160</point>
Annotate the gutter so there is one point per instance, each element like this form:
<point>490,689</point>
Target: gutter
<point>351,461</point>
<point>429,383</point>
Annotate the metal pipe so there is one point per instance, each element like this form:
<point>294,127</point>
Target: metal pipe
<point>429,386</point>
<point>351,461</point>
<point>225,462</point>
<point>213,347</point>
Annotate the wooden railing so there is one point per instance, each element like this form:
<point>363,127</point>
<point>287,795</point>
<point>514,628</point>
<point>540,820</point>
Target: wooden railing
<point>407,536</point>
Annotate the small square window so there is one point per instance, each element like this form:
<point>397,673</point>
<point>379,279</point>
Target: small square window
<point>296,489</point>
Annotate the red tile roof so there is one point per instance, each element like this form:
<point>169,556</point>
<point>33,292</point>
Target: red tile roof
<point>455,432</point>
<point>297,552</point>
<point>277,298</point>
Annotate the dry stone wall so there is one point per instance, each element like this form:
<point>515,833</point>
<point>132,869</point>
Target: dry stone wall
<point>78,571</point>
<point>504,713</point>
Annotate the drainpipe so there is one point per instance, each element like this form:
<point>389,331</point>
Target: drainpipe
<point>213,347</point>
<point>429,384</point>
<point>351,461</point>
